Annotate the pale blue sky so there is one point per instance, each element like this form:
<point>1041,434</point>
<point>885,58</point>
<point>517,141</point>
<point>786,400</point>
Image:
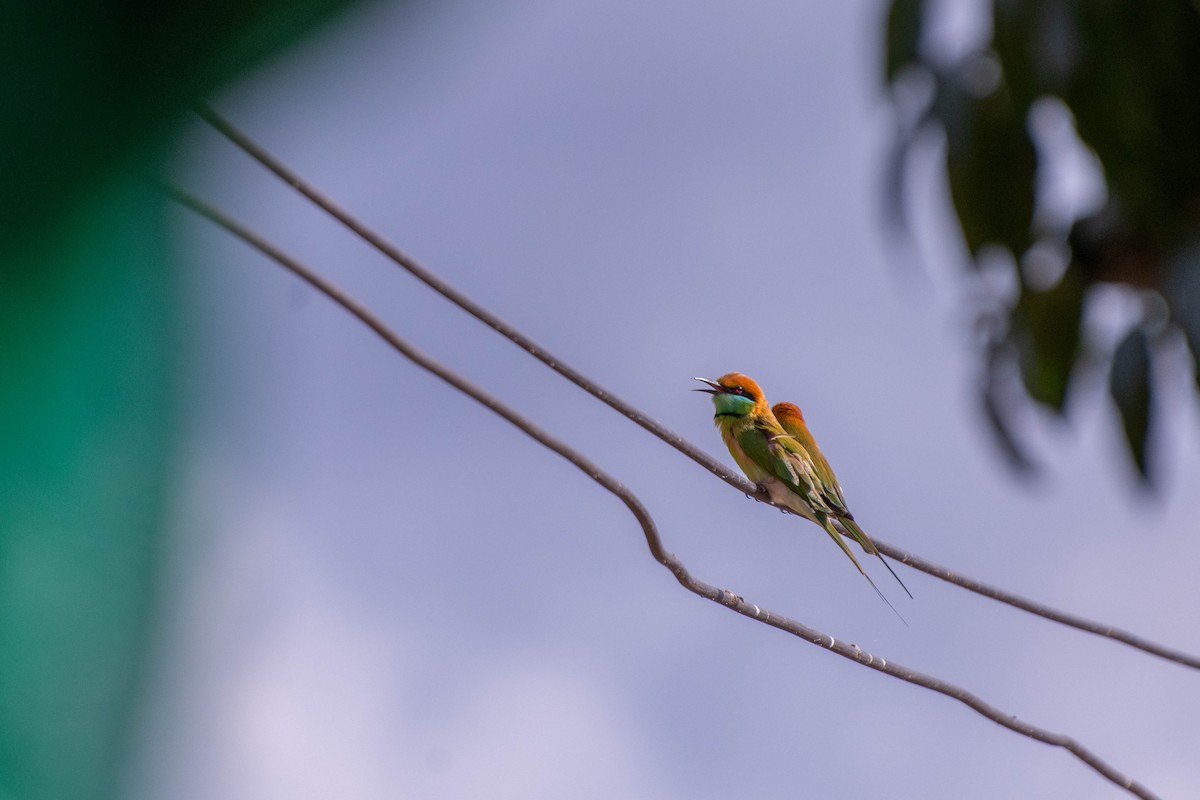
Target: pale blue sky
<point>383,591</point>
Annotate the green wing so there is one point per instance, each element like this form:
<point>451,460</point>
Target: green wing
<point>830,488</point>
<point>826,485</point>
<point>809,475</point>
<point>830,491</point>
<point>825,497</point>
<point>813,471</point>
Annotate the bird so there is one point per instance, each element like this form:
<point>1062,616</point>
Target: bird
<point>776,451</point>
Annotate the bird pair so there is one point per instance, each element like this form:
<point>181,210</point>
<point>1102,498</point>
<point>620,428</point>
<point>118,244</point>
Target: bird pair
<point>774,448</point>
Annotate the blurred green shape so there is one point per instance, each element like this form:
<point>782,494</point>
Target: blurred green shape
<point>991,166</point>
<point>1127,73</point>
<point>89,94</point>
<point>1132,390</point>
<point>84,415</point>
<point>1046,326</point>
<point>87,85</point>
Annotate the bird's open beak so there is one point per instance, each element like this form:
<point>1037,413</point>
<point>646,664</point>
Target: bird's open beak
<point>716,387</point>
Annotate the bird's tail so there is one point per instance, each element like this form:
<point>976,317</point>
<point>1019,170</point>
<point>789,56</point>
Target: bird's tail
<point>860,536</point>
<point>827,523</point>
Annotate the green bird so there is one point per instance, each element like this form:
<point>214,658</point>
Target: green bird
<point>779,454</point>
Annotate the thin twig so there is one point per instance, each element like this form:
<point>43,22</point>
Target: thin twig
<point>255,151</point>
<point>649,529</point>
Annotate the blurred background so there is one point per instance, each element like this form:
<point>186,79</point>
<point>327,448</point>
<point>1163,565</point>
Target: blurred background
<point>247,551</point>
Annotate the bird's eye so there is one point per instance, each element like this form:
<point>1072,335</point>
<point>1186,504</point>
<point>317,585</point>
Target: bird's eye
<point>740,390</point>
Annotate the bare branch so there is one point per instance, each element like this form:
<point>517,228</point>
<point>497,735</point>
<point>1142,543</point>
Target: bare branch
<point>434,282</point>
<point>653,540</point>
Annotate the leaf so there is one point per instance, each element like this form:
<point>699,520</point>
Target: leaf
<point>1132,93</point>
<point>1011,449</point>
<point>86,85</point>
<point>1127,73</point>
<point>1031,39</point>
<point>1046,330</point>
<point>84,438</point>
<point>87,316</point>
<point>991,164</point>
<point>903,36</point>
<point>1182,292</point>
<point>995,384</point>
<point>1131,387</point>
<point>895,177</point>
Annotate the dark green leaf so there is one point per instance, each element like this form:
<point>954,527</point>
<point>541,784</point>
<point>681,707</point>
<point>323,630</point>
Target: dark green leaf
<point>1133,94</point>
<point>903,35</point>
<point>1033,41</point>
<point>1182,291</point>
<point>1000,427</point>
<point>991,164</point>
<point>86,310</point>
<point>896,174</point>
<point>1128,73</point>
<point>1131,387</point>
<point>87,84</point>
<point>84,432</point>
<point>1045,327</point>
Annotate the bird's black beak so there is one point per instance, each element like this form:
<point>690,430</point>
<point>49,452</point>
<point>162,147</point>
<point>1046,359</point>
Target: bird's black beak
<point>716,387</point>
